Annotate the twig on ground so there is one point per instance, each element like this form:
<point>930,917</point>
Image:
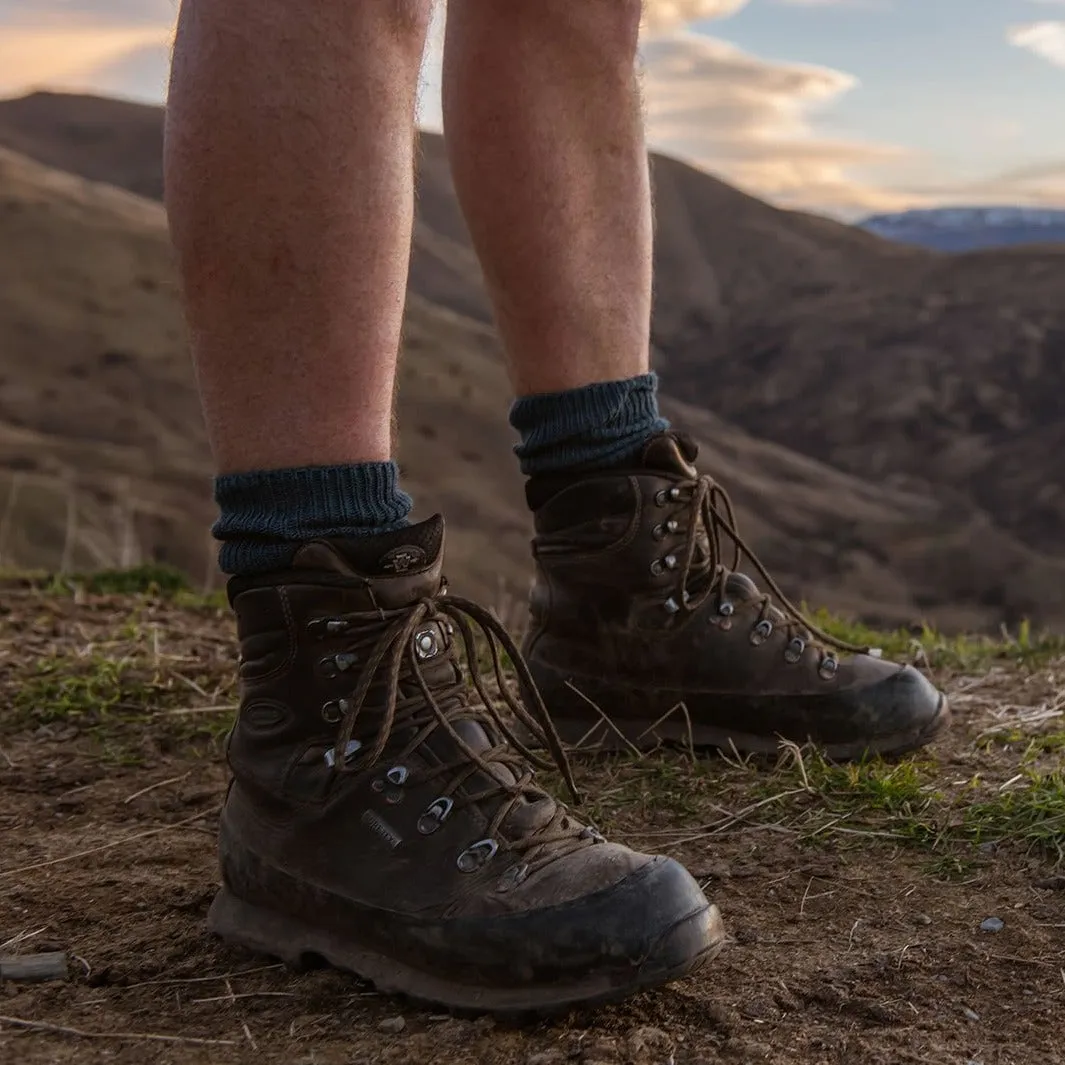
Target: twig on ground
<point>606,720</point>
<point>35,968</point>
<point>203,979</point>
<point>61,1029</point>
<point>108,846</point>
<point>152,787</point>
<point>186,710</point>
<point>21,937</point>
<point>230,997</point>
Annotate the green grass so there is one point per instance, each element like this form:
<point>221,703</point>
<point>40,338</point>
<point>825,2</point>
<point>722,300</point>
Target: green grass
<point>925,645</point>
<point>123,703</point>
<point>153,580</point>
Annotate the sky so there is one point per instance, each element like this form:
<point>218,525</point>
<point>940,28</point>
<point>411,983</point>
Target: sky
<point>840,106</point>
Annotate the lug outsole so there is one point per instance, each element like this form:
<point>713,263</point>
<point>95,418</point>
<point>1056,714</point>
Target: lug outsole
<point>298,944</point>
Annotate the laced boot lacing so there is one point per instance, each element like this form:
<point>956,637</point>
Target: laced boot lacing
<point>702,572</point>
<point>398,642</point>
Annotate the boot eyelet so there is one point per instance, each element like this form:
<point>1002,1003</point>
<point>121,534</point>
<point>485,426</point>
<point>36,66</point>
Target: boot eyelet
<point>661,498</point>
<point>378,785</point>
<point>726,609</point>
<point>672,526</point>
<point>515,875</point>
<point>659,532</point>
<point>426,644</point>
<point>477,855</point>
<point>397,775</point>
<point>670,561</point>
<point>333,665</point>
<point>395,796</point>
<point>794,650</point>
<point>435,816</point>
<point>761,632</point>
<point>658,567</point>
<point>351,748</point>
<point>593,833</point>
<point>320,628</point>
<point>670,606</point>
<point>829,667</point>
<point>334,711</point>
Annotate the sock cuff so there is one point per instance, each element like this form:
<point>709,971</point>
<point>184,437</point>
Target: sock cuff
<point>265,514</point>
<point>590,427</point>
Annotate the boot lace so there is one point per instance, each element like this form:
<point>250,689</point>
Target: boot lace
<point>705,567</point>
<point>397,642</point>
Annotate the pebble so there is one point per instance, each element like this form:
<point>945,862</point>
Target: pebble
<point>547,1057</point>
<point>392,1024</point>
<point>992,924</point>
<point>970,1015</point>
<point>922,918</point>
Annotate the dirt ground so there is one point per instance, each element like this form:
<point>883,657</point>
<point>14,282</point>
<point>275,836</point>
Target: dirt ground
<point>854,899</point>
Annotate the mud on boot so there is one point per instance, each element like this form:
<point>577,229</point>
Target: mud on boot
<point>383,818</point>
<point>640,616</point>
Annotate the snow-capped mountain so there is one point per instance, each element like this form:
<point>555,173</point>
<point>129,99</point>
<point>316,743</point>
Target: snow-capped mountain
<point>966,228</point>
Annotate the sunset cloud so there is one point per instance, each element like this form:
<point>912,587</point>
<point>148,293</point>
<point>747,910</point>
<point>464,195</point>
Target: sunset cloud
<point>1045,39</point>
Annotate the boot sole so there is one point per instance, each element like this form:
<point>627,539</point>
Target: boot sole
<point>301,946</point>
<point>582,730</point>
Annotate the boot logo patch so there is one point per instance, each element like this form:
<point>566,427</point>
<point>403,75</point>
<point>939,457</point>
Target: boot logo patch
<point>381,828</point>
<point>402,559</point>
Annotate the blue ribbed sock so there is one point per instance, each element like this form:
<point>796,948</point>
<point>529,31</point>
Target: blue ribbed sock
<point>266,514</point>
<point>586,428</point>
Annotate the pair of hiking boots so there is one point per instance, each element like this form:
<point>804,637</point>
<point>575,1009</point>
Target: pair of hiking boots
<point>383,813</point>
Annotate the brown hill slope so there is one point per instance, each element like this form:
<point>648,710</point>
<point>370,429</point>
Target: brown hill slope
<point>103,458</point>
<point>800,329</point>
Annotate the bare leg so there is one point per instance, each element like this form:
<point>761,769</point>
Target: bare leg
<point>542,112</point>
<point>289,189</point>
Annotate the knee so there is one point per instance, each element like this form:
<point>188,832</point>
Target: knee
<point>610,28</point>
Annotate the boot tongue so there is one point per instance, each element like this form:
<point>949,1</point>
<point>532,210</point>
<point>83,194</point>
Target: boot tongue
<point>404,565</point>
<point>672,453</point>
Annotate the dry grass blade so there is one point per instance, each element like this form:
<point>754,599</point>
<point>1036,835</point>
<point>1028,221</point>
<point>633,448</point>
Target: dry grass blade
<point>109,846</point>
<point>606,720</point>
<point>152,787</point>
<point>79,1033</point>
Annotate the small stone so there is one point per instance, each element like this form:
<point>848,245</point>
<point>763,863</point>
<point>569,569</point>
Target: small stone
<point>992,924</point>
<point>922,918</point>
<point>969,1015</point>
<point>649,1042</point>
<point>988,848</point>
<point>545,1057</point>
<point>392,1024</point>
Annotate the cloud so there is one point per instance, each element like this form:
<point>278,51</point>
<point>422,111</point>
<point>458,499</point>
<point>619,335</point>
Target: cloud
<point>662,15</point>
<point>95,13</point>
<point>1045,39</point>
<point>83,44</point>
<point>749,120</point>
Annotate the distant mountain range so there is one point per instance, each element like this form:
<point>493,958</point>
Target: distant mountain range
<point>970,228</point>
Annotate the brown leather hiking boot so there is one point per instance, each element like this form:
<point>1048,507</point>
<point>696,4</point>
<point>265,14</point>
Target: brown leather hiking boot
<point>383,818</point>
<point>642,634</point>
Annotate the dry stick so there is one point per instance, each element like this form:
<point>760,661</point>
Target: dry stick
<point>152,787</point>
<point>59,1029</point>
<point>108,846</point>
<point>610,724</point>
<point>202,979</point>
<point>231,997</point>
<point>35,968</point>
<point>228,708</point>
